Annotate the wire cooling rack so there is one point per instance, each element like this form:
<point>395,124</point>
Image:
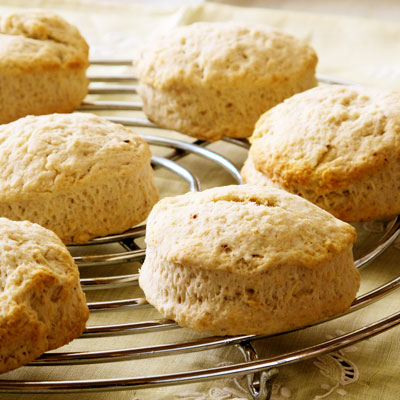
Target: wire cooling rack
<point>127,248</point>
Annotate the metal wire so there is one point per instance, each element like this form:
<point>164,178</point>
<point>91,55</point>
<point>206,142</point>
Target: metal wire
<point>12,386</point>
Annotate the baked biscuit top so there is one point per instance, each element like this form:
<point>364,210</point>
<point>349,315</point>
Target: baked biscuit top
<point>328,137</point>
<point>245,229</point>
<point>40,40</point>
<point>223,54</point>
<point>54,153</point>
<point>27,249</point>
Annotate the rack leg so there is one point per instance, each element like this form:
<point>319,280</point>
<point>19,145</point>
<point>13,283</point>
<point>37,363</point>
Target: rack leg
<point>260,383</point>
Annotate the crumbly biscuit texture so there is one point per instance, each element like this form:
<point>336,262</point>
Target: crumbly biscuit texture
<point>40,39</point>
<point>334,145</point>
<point>223,55</point>
<point>210,80</point>
<point>332,136</point>
<point>231,227</point>
<point>43,62</point>
<point>76,174</point>
<point>247,259</point>
<point>54,152</point>
<point>42,305</point>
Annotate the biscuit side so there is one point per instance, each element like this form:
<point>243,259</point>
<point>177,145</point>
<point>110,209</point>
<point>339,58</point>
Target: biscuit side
<point>227,302</point>
<point>366,200</point>
<point>211,113</point>
<point>105,207</point>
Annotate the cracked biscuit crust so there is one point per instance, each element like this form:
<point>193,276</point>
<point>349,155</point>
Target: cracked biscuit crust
<point>43,62</point>
<point>42,305</point>
<point>247,259</point>
<point>209,80</point>
<point>338,146</point>
<point>252,219</point>
<point>76,174</point>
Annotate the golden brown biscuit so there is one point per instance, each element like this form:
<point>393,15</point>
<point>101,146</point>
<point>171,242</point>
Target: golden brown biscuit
<point>210,80</point>
<point>43,62</point>
<point>77,174</point>
<point>337,146</point>
<point>247,260</point>
<point>42,305</point>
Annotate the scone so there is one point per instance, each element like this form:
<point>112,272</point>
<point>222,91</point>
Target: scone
<point>43,62</point>
<point>247,260</point>
<point>209,80</point>
<point>337,146</point>
<point>42,305</point>
<point>77,174</point>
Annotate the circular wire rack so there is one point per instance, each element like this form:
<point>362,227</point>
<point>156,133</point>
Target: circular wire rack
<point>128,247</point>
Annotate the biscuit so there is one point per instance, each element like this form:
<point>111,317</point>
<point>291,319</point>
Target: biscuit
<point>210,80</point>
<point>43,62</point>
<point>42,305</point>
<point>77,174</point>
<point>337,146</point>
<point>247,260</point>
